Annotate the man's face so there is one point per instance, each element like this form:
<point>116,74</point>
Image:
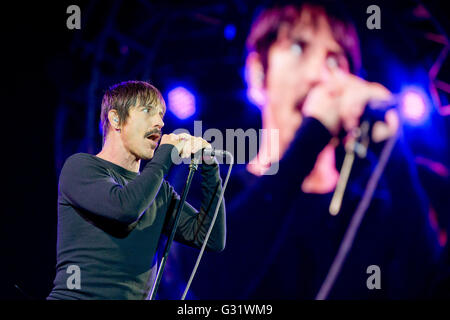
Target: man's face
<point>142,130</point>
<point>302,57</point>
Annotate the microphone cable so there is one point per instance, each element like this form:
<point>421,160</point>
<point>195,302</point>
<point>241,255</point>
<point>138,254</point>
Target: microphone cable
<point>355,222</point>
<point>229,155</point>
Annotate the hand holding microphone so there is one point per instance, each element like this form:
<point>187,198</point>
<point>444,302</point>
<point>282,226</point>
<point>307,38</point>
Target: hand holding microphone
<point>194,147</point>
<point>358,107</point>
<point>340,102</point>
<point>185,143</point>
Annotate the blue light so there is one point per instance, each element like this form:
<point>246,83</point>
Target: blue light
<point>414,106</point>
<point>229,32</point>
<point>181,102</point>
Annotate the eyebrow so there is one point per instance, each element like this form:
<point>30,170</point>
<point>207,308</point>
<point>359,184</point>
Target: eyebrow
<point>151,106</point>
<point>162,111</point>
<point>337,51</point>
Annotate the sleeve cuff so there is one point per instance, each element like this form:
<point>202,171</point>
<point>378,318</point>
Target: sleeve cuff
<point>163,157</point>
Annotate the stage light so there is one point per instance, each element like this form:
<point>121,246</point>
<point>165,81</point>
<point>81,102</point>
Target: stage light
<point>229,32</point>
<point>413,106</point>
<point>181,102</point>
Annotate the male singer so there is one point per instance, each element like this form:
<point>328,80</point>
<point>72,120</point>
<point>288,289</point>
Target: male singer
<point>111,216</point>
<point>303,60</point>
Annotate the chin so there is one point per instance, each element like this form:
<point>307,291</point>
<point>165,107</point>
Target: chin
<point>149,155</point>
<point>145,154</point>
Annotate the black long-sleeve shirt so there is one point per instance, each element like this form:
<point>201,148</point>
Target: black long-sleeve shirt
<point>110,221</point>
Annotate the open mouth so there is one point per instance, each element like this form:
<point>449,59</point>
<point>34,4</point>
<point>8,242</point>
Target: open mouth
<point>300,104</point>
<point>155,137</point>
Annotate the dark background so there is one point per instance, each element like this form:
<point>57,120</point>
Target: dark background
<point>55,79</point>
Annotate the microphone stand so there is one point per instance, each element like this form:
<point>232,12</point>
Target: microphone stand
<point>205,241</point>
<point>192,168</point>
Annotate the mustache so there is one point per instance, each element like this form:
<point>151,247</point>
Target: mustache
<point>154,131</point>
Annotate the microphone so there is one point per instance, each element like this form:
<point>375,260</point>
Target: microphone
<point>211,152</point>
<point>376,110</point>
<point>208,154</point>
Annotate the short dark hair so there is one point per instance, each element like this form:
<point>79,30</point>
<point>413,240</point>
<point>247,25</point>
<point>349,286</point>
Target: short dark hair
<point>125,95</point>
<point>264,30</point>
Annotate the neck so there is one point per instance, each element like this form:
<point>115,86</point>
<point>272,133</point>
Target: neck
<point>114,151</point>
<point>323,177</point>
<point>275,140</point>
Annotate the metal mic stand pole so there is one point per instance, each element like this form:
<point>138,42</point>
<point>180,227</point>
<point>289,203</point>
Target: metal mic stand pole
<point>192,168</point>
<point>205,241</point>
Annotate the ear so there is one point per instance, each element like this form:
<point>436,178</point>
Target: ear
<point>255,78</point>
<point>254,71</point>
<point>113,119</point>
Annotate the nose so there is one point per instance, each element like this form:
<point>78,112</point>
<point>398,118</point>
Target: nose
<point>316,71</point>
<point>160,122</point>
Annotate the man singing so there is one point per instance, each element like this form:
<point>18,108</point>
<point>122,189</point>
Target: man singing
<point>304,60</point>
<point>111,216</point>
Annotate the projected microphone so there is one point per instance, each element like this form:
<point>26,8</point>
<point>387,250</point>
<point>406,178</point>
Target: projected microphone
<point>376,109</point>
